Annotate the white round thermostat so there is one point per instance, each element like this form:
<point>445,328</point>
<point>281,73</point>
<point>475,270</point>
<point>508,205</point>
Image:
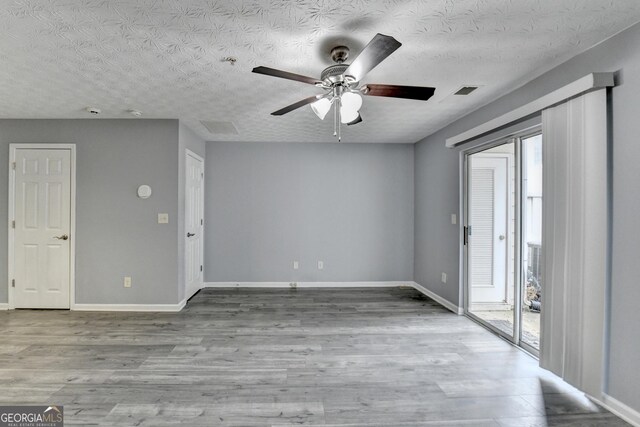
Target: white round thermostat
<point>144,191</point>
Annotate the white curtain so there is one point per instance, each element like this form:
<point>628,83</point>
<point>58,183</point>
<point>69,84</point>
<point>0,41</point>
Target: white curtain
<point>575,241</point>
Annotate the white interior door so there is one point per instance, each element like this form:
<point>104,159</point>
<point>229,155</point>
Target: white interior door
<point>194,223</point>
<point>488,219</point>
<point>42,250</point>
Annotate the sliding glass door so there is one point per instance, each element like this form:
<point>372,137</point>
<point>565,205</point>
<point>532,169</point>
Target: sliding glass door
<point>503,199</point>
<point>531,240</point>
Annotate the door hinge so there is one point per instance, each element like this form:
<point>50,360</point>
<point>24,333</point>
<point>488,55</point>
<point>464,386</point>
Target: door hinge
<point>13,165</point>
<point>201,221</point>
<point>13,283</point>
<point>13,224</point>
<point>200,268</point>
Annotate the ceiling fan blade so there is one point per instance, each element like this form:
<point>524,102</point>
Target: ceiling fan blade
<point>356,121</point>
<point>296,105</point>
<point>285,75</point>
<point>373,54</point>
<point>420,93</point>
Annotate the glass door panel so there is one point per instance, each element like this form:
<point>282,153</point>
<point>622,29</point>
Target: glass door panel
<point>532,286</point>
<point>491,237</point>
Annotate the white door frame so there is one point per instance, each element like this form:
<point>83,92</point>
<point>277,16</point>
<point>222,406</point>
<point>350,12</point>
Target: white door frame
<point>187,153</point>
<point>11,204</point>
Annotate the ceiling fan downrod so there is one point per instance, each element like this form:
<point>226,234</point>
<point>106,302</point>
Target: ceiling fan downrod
<point>337,101</point>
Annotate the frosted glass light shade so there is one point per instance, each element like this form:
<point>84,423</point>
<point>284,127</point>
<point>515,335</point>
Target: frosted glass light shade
<point>350,104</point>
<point>348,115</point>
<point>351,101</point>
<point>321,107</point>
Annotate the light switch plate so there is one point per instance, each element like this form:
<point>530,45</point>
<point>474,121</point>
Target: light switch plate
<point>296,265</point>
<point>320,265</point>
<point>163,218</point>
<point>444,278</point>
<point>127,281</point>
<point>454,219</point>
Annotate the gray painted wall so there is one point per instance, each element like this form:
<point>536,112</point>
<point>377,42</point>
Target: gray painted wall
<point>437,190</point>
<point>117,233</point>
<point>349,205</point>
<point>187,140</point>
<point>436,239</point>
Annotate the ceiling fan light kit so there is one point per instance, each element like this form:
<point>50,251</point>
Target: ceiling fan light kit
<point>321,107</point>
<point>341,83</point>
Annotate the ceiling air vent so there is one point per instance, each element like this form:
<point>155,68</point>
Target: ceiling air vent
<point>227,128</point>
<point>465,90</point>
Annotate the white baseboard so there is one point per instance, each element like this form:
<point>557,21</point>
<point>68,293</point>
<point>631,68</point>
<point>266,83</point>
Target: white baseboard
<point>625,412</point>
<point>306,284</point>
<point>437,298</point>
<point>4,306</point>
<point>130,307</point>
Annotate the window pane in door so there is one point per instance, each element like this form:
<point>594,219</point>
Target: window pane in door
<point>531,240</point>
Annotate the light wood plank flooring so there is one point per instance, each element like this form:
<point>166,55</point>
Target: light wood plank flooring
<point>253,357</point>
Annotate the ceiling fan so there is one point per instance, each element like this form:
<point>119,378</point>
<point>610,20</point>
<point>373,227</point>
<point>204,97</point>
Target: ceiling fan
<point>341,83</point>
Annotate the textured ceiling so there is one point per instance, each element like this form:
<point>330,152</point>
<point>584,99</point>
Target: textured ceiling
<point>164,57</point>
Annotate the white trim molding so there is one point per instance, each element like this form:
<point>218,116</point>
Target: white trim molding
<point>437,298</point>
<point>623,411</point>
<point>585,84</point>
<point>131,307</point>
<point>4,306</point>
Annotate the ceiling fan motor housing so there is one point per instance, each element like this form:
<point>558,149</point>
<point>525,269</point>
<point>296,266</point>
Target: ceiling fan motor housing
<point>334,73</point>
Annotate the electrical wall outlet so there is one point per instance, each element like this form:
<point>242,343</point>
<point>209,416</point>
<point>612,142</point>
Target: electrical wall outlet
<point>163,218</point>
<point>293,285</point>
<point>444,278</point>
<point>296,265</point>
<point>320,265</point>
<point>127,281</point>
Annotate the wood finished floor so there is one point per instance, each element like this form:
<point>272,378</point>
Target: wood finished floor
<point>250,357</point>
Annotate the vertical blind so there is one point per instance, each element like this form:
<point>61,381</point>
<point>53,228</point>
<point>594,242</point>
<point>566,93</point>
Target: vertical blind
<point>575,241</point>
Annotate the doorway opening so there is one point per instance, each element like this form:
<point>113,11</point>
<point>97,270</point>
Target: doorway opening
<point>502,237</point>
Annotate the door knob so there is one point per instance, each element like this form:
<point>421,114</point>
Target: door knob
<point>63,237</point>
<point>501,237</point>
<point>191,234</point>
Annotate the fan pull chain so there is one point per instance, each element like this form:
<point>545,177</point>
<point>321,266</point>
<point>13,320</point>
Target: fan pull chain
<point>338,118</point>
<point>335,119</point>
